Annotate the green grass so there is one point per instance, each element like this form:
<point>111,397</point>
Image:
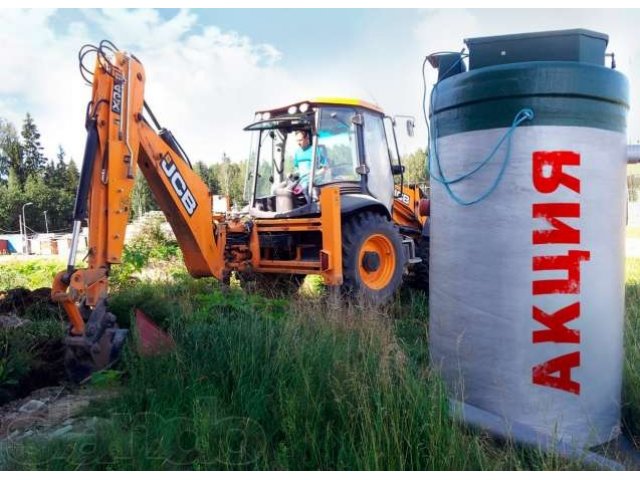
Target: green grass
<point>31,356</point>
<point>631,386</point>
<point>277,384</point>
<point>30,274</point>
<point>268,384</point>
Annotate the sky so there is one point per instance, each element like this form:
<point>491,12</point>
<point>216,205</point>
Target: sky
<point>208,71</point>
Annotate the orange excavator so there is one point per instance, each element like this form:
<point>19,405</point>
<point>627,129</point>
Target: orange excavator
<point>325,196</point>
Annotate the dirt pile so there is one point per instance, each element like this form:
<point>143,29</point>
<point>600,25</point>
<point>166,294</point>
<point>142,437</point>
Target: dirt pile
<point>20,301</point>
<point>31,348</point>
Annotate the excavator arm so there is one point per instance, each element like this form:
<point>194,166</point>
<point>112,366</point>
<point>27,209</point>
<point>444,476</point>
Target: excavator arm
<point>120,140</point>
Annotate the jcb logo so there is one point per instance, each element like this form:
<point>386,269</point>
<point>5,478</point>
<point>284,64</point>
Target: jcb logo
<point>404,198</point>
<point>179,185</point>
<point>116,98</point>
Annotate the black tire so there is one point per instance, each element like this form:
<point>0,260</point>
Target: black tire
<point>357,232</point>
<point>418,277</point>
<point>272,285</point>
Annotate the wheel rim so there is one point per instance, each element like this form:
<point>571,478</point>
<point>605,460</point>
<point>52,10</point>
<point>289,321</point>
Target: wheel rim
<point>380,277</point>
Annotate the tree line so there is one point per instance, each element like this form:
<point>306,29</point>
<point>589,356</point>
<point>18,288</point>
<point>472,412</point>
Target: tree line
<point>28,176</point>
<point>49,185</point>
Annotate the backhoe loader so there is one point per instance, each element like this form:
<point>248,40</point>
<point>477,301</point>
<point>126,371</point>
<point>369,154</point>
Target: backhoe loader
<point>345,214</point>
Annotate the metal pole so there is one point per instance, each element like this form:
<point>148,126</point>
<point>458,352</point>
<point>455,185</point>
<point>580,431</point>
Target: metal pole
<point>77,225</point>
<point>21,232</point>
<point>46,224</point>
<point>24,222</point>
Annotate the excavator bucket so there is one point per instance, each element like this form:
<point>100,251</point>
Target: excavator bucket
<point>102,342</point>
<point>98,348</point>
<point>151,339</point>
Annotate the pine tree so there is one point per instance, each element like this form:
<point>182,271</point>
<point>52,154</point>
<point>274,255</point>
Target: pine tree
<point>72,176</point>
<point>208,176</point>
<point>10,151</point>
<point>33,161</point>
<point>56,173</point>
<point>11,199</point>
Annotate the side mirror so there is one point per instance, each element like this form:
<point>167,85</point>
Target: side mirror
<point>411,124</point>
<point>397,169</point>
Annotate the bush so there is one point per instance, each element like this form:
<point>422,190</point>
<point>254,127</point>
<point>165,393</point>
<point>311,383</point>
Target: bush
<point>150,244</point>
<point>29,274</point>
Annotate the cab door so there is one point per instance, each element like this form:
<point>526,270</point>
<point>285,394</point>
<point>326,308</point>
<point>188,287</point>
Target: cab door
<point>380,182</point>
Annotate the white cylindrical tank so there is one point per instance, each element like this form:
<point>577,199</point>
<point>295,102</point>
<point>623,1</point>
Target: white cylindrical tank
<point>527,283</point>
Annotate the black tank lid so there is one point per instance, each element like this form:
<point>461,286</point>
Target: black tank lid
<point>576,45</point>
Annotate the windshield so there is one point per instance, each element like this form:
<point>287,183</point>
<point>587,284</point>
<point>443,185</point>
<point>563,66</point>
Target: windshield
<point>274,151</point>
<point>285,147</point>
<point>336,155</point>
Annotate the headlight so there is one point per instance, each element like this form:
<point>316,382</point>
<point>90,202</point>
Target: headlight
<point>304,107</point>
<point>266,115</point>
<point>292,109</point>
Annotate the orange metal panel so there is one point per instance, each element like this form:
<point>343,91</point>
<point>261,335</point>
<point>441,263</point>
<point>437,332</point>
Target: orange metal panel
<point>406,211</point>
<point>331,234</point>
<point>175,187</point>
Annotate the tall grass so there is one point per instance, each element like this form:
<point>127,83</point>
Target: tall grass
<point>302,383</point>
<point>276,384</point>
<point>631,385</point>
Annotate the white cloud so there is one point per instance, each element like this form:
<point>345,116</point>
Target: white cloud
<point>446,29</point>
<point>203,83</point>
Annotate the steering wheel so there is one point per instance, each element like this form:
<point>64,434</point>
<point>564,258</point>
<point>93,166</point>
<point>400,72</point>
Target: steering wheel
<point>295,179</point>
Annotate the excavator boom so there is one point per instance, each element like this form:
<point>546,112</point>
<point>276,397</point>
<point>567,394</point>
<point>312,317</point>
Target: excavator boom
<point>119,140</point>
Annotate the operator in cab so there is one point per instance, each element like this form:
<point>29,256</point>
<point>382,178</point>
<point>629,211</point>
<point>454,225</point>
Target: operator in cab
<point>302,156</point>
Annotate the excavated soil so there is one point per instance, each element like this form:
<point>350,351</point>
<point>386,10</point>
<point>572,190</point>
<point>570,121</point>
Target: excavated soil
<point>18,301</point>
<point>21,309</point>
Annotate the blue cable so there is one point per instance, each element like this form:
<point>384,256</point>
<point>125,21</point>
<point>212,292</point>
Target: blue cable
<point>522,116</point>
<point>432,146</point>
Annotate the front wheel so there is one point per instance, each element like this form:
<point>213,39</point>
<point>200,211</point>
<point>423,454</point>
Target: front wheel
<point>372,257</point>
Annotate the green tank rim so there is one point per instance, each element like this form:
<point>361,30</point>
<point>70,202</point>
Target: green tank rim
<point>560,93</point>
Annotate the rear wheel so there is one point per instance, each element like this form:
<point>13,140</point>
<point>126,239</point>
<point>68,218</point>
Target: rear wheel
<point>372,257</point>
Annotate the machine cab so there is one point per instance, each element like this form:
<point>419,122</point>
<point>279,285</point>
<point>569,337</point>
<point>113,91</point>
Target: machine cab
<point>301,148</point>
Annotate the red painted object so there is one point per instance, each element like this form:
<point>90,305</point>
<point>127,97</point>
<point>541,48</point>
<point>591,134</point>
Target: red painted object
<point>151,339</point>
